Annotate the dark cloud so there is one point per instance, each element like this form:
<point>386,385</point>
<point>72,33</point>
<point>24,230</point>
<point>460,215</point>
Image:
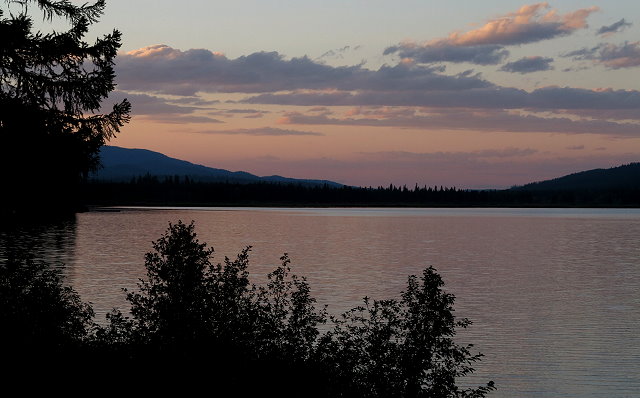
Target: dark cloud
<point>183,119</point>
<point>489,54</point>
<point>262,131</point>
<point>555,97</point>
<point>626,55</point>
<point>468,119</point>
<point>614,28</point>
<point>528,65</point>
<point>575,68</point>
<point>245,113</point>
<point>604,114</point>
<point>269,78</point>
<point>481,98</point>
<point>583,53</point>
<point>457,156</point>
<point>162,69</point>
<point>166,70</point>
<point>161,109</point>
<point>194,101</point>
<point>144,104</point>
<point>338,53</point>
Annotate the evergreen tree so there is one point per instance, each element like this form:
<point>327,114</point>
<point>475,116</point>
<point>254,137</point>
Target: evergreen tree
<point>51,87</point>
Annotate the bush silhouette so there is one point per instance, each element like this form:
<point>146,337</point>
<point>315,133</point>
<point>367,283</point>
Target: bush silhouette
<point>190,311</point>
<point>400,348</point>
<point>44,323</point>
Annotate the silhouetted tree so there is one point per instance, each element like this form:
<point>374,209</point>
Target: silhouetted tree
<point>210,319</point>
<point>400,348</point>
<point>51,89</point>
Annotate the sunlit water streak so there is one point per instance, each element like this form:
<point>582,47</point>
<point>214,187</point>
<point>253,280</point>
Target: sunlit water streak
<point>553,293</point>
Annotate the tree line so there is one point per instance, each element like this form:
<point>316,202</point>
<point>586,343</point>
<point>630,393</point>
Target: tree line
<point>183,190</point>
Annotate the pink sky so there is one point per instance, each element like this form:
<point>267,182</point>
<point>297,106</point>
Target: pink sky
<point>528,93</point>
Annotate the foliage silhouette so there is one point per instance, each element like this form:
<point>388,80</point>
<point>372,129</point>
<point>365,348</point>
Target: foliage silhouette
<point>190,309</point>
<point>51,89</point>
<point>42,320</point>
<point>401,348</point>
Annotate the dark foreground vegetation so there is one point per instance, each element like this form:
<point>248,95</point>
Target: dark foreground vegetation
<point>195,324</point>
<point>183,191</point>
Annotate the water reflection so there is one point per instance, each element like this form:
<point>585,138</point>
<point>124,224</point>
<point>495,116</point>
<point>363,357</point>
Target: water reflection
<point>552,292</point>
<point>52,241</point>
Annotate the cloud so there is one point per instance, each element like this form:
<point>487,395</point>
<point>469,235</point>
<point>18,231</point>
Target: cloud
<point>575,68</point>
<point>489,54</point>
<point>243,111</point>
<point>194,101</point>
<point>254,116</point>
<point>614,28</point>
<point>604,114</point>
<point>161,109</point>
<point>527,25</point>
<point>144,104</point>
<point>478,156</point>
<point>626,55</point>
<point>465,119</point>
<point>182,119</point>
<point>246,113</point>
<point>161,69</point>
<point>263,131</point>
<point>173,80</point>
<point>300,81</point>
<point>338,53</point>
<point>495,97</point>
<point>528,65</point>
<point>485,45</point>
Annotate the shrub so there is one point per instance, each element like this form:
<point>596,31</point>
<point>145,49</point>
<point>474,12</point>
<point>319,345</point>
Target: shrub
<point>192,316</point>
<point>400,348</point>
<point>42,320</point>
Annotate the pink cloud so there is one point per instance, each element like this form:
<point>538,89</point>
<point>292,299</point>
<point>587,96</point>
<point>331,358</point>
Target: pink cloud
<point>484,46</point>
<point>529,24</point>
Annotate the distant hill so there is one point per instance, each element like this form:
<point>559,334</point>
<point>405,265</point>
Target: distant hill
<point>123,164</point>
<point>625,177</point>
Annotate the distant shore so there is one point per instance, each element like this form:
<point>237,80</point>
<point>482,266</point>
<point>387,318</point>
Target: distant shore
<point>202,194</point>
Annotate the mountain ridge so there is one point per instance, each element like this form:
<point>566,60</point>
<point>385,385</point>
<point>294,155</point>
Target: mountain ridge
<point>122,164</point>
<point>626,176</point>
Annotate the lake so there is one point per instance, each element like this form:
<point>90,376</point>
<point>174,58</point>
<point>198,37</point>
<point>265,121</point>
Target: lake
<point>553,294</point>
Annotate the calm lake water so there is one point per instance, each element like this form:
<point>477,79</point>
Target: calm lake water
<point>553,293</point>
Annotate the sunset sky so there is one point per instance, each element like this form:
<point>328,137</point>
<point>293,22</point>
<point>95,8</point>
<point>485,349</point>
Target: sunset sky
<point>472,94</point>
